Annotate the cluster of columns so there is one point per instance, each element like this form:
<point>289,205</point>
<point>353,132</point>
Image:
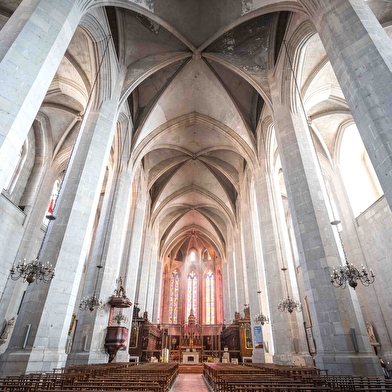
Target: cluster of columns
<point>27,43</point>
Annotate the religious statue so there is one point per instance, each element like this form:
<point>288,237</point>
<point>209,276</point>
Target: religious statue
<point>6,331</point>
<point>247,313</point>
<point>372,337</point>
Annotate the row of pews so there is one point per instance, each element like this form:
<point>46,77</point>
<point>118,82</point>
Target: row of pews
<point>145,377</point>
<point>271,378</point>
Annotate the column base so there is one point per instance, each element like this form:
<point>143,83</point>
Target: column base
<point>86,357</point>
<point>356,364</point>
<point>30,361</point>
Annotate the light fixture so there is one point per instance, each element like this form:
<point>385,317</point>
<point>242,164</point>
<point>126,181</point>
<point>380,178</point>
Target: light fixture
<point>288,304</point>
<point>120,317</point>
<point>92,302</point>
<point>33,271</point>
<point>348,274</point>
<point>260,318</point>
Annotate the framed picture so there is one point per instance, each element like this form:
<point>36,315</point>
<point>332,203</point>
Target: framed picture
<point>310,340</point>
<point>258,336</point>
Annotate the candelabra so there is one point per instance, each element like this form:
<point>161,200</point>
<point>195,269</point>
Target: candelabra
<point>91,302</point>
<point>288,304</point>
<point>120,317</point>
<point>260,318</point>
<point>33,271</point>
<point>348,274</point>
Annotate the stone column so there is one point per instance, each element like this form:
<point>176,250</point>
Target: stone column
<point>252,256</point>
<point>47,309</point>
<point>107,251</point>
<point>334,313</point>
<point>145,284</point>
<point>239,274</point>
<point>230,282</point>
<point>32,45</point>
<point>360,53</point>
<point>283,327</point>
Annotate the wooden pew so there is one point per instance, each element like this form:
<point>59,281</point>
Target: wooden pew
<point>156,377</point>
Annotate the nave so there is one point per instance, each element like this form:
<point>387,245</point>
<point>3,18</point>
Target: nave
<point>190,177</point>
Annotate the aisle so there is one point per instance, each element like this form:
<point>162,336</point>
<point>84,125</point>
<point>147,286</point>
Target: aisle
<point>189,382</point>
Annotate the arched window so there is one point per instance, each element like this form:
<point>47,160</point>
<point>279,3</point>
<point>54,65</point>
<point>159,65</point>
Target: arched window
<point>173,306</point>
<point>360,180</point>
<point>192,256</point>
<point>210,298</point>
<point>191,301</point>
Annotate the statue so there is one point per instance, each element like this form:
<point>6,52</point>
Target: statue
<point>247,313</point>
<point>7,330</point>
<point>372,337</point>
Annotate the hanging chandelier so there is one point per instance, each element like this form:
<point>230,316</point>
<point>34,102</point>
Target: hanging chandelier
<point>92,302</point>
<point>120,317</point>
<point>33,271</point>
<point>348,274</point>
<point>288,304</point>
<point>260,318</point>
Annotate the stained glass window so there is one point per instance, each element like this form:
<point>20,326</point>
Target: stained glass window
<point>191,301</point>
<point>173,307</point>
<point>210,298</point>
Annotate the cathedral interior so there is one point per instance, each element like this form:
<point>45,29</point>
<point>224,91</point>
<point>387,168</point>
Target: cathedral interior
<point>196,181</point>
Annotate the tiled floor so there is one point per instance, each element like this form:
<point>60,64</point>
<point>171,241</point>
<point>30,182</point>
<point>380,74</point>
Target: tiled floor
<point>189,382</point>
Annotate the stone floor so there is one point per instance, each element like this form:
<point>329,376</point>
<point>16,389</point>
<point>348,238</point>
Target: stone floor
<point>189,382</point>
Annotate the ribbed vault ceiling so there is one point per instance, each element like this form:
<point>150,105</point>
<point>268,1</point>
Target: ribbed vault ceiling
<point>195,118</point>
<point>196,86</point>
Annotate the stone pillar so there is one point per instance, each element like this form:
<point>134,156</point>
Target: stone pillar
<point>360,53</point>
<point>154,282</point>
<point>239,274</point>
<point>47,309</point>
<point>334,313</point>
<point>283,327</point>
<point>107,251</point>
<point>252,254</point>
<point>37,31</point>
<point>39,190</point>
<point>145,284</point>
<point>230,283</point>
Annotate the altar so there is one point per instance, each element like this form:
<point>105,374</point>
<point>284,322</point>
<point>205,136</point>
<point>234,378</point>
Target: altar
<point>190,358</point>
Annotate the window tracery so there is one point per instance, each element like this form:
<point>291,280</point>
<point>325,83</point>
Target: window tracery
<point>174,290</point>
<point>191,303</point>
<point>210,298</point>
